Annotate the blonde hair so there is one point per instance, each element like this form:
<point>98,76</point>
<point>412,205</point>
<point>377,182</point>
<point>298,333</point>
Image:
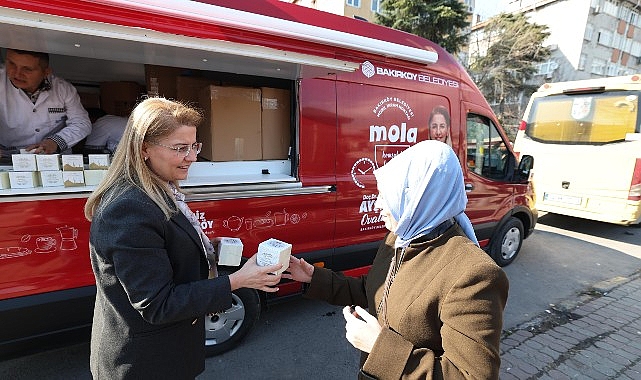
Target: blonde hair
<point>150,121</point>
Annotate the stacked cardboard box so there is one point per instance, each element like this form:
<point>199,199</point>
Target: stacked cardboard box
<point>119,98</point>
<point>240,123</point>
<point>231,130</point>
<point>275,123</point>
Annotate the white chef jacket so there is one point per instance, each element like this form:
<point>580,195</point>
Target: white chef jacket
<point>57,113</point>
<point>106,132</point>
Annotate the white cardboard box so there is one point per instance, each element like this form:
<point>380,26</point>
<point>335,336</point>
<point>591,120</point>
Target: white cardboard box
<point>73,178</point>
<point>230,251</point>
<point>5,183</point>
<point>272,252</point>
<point>72,162</point>
<point>48,162</point>
<point>24,162</point>
<point>51,178</point>
<point>23,180</point>
<point>93,177</point>
<point>98,161</point>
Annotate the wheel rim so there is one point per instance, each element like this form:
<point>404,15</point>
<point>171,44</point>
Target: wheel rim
<point>511,242</point>
<point>220,327</point>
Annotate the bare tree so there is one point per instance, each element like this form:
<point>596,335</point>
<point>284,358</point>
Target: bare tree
<point>509,48</point>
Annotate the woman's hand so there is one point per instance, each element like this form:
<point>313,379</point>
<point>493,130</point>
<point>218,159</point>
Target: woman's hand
<point>362,328</point>
<point>299,270</point>
<point>251,275</point>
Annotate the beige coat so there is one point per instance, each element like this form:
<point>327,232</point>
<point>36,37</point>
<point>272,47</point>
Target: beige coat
<point>445,309</point>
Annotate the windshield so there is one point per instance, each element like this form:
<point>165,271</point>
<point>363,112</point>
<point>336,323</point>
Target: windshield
<point>584,118</point>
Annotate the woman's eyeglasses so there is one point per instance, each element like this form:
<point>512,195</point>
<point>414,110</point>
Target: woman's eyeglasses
<point>184,150</point>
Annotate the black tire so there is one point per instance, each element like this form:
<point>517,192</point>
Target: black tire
<point>225,330</point>
<point>506,242</point>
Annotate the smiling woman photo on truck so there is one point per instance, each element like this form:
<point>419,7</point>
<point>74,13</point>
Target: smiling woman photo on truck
<point>299,108</point>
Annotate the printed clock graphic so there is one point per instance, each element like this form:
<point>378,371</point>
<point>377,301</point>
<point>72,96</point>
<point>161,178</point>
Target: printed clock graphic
<point>362,171</point>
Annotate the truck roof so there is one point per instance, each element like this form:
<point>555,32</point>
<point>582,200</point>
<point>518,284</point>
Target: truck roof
<point>293,27</point>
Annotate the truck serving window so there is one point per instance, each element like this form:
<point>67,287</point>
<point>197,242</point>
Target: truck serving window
<point>595,118</point>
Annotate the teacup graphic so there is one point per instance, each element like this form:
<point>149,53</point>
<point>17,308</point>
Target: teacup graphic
<point>45,244</point>
<point>233,223</point>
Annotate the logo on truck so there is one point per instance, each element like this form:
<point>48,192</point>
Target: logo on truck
<point>388,140</point>
<point>369,70</point>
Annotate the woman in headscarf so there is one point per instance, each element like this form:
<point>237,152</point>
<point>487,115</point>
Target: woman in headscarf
<point>435,298</point>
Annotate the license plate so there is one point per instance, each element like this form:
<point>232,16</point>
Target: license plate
<point>560,198</point>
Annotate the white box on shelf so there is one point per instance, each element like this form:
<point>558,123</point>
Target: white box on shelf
<point>24,162</point>
<point>230,251</point>
<point>98,161</point>
<point>51,178</point>
<point>272,252</point>
<point>72,162</point>
<point>23,180</point>
<point>73,178</point>
<point>93,177</point>
<point>47,162</point>
<point>5,183</point>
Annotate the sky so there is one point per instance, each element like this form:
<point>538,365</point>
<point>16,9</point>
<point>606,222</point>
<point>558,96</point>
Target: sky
<point>488,8</point>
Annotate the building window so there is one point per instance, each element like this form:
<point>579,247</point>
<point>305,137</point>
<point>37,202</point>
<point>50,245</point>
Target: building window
<point>611,8</point>
<point>546,68</point>
<point>582,60</point>
<point>376,6</point>
<point>612,70</point>
<point>624,13</point>
<point>598,66</point>
<point>605,37</point>
<point>354,3</point>
<point>616,40</point>
<point>627,47</point>
<point>636,49</point>
<point>634,19</point>
<point>624,71</point>
<point>589,31</point>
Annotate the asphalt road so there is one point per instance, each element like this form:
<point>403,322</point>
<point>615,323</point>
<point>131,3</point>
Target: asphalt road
<point>305,339</point>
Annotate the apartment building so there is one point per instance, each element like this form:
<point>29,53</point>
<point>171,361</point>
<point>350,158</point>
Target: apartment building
<point>362,9</point>
<point>588,38</point>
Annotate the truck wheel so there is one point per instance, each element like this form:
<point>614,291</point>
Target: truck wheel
<point>225,330</point>
<point>507,241</point>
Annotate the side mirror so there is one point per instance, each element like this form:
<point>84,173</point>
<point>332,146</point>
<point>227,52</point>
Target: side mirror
<point>525,165</point>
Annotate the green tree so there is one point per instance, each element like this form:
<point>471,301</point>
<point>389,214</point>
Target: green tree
<point>504,56</point>
<point>441,21</point>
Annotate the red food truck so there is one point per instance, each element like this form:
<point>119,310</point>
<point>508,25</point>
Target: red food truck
<point>300,105</point>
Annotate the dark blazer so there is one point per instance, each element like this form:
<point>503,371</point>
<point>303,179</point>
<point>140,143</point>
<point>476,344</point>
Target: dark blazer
<point>151,280</point>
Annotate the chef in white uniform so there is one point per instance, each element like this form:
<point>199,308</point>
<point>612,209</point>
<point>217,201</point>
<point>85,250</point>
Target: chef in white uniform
<point>106,132</point>
<point>38,111</point>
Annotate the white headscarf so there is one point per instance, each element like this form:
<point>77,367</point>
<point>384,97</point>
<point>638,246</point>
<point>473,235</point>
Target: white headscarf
<point>423,187</point>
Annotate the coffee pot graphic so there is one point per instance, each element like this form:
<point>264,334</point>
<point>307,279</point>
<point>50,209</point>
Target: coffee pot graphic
<point>68,237</point>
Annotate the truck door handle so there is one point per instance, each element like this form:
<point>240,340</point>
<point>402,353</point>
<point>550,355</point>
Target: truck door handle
<point>469,187</point>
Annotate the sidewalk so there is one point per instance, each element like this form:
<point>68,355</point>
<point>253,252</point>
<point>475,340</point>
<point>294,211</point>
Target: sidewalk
<point>598,338</point>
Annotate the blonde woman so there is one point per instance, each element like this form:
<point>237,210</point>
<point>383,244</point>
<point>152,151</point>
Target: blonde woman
<point>150,257</point>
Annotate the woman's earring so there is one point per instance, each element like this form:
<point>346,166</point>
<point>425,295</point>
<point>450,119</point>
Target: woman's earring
<point>146,158</point>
